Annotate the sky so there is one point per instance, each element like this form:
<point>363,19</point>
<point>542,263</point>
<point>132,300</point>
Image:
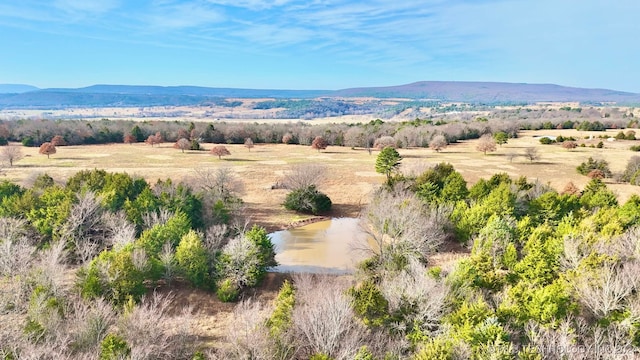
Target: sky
<point>319,44</point>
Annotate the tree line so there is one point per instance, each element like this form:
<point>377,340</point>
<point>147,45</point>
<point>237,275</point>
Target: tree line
<point>417,133</point>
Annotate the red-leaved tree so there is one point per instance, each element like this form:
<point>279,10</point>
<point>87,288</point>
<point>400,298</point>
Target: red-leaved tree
<point>47,149</point>
<point>220,151</point>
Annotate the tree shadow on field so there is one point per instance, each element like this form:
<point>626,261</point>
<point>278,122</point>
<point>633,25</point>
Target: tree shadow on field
<point>239,160</point>
<point>414,156</point>
<point>537,163</point>
<point>345,210</point>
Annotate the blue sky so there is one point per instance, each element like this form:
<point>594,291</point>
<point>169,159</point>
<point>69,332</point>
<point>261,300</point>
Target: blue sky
<point>319,44</point>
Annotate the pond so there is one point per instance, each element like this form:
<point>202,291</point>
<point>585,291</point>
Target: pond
<point>322,247</point>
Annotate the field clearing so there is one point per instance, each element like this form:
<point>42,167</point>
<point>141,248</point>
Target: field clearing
<point>350,181</point>
<point>351,176</point>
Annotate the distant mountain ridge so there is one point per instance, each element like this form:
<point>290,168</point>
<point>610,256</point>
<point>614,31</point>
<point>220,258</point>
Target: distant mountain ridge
<point>25,96</point>
<point>492,92</point>
<point>16,88</point>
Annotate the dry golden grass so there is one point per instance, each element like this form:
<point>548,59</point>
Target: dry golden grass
<point>351,174</point>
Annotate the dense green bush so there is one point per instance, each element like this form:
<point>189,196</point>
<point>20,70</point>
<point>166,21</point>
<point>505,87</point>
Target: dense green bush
<point>308,200</point>
<point>114,347</point>
<point>227,291</point>
<point>194,261</point>
<point>592,164</point>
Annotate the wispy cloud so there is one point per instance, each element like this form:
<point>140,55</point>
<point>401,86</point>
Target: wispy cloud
<point>254,5</point>
<point>179,15</point>
<point>84,6</point>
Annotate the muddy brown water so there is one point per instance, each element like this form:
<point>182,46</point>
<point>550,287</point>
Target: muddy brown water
<point>333,246</point>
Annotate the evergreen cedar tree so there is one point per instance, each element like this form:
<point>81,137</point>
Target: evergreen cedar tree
<point>388,162</point>
<point>501,137</point>
<point>47,149</point>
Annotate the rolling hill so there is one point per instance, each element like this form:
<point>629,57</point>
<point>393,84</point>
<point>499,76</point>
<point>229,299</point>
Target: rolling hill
<point>25,96</point>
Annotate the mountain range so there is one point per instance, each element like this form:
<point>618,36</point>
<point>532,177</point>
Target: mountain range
<point>26,96</point>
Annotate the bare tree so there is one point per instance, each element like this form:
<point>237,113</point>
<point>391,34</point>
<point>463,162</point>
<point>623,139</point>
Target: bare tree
<point>532,154</point>
<point>167,258</point>
<point>512,156</point>
<point>304,175</point>
<point>248,143</point>
<point>486,143</point>
<point>16,251</point>
<point>220,151</point>
<point>242,262</point>
<point>570,189</point>
<point>129,139</point>
<point>155,139</point>
<point>413,289</point>
<point>607,288</point>
<point>569,145</point>
<point>182,144</point>
<point>84,227</point>
<point>323,320</point>
<point>319,143</point>
<point>88,323</point>
<point>221,182</point>
<point>58,140</point>
<point>384,141</point>
<point>153,334</point>
<point>121,231</point>
<point>438,143</point>
<point>11,154</point>
<point>249,338</point>
<point>402,225</point>
<point>287,138</point>
<point>47,149</point>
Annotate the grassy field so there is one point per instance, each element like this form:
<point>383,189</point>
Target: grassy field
<point>351,175</point>
<point>351,178</point>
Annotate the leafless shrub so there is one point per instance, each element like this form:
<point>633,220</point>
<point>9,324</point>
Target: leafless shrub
<point>249,338</point>
<point>154,218</point>
<point>607,288</point>
<point>140,259</point>
<point>304,175</point>
<point>241,261</point>
<point>88,324</point>
<point>323,319</point>
<point>574,251</point>
<point>400,224</point>
<point>50,269</point>
<point>121,231</point>
<point>168,261</point>
<point>84,228</point>
<point>16,251</point>
<point>152,333</point>
<point>554,343</point>
<point>411,288</point>
<point>215,238</point>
